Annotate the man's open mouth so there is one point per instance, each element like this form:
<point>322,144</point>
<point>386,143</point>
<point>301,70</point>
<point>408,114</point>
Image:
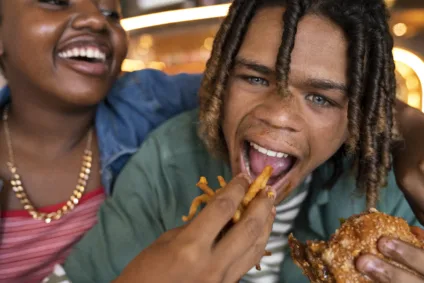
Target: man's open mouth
<point>255,157</point>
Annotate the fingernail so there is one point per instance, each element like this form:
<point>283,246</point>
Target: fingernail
<point>374,268</point>
<point>389,245</point>
<point>287,187</point>
<point>271,193</point>
<point>369,265</point>
<point>245,176</point>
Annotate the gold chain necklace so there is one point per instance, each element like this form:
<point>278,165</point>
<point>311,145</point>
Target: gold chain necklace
<point>20,191</point>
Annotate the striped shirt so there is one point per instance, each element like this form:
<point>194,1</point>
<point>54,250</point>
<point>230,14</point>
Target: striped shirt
<point>29,249</point>
<point>278,240</point>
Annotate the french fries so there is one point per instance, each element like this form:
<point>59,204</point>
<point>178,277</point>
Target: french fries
<point>258,185</point>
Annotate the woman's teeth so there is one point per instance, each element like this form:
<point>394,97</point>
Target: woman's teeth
<point>268,151</point>
<point>89,53</point>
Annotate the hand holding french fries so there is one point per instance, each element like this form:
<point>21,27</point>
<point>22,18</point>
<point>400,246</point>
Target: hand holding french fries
<point>257,185</point>
<point>195,253</point>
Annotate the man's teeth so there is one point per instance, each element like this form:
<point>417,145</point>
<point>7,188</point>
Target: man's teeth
<point>268,151</point>
<point>84,53</point>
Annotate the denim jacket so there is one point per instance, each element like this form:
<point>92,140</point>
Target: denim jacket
<point>137,103</point>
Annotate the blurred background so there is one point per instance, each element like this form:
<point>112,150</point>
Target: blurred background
<point>177,36</point>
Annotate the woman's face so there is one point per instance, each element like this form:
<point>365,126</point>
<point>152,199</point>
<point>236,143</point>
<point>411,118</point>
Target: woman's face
<point>70,51</point>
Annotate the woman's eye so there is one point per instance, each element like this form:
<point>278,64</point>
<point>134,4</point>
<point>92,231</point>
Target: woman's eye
<point>56,2</point>
<point>257,81</point>
<point>318,100</point>
<point>111,14</point>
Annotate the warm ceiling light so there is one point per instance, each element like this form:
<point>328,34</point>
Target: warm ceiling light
<point>130,65</point>
<point>415,63</point>
<point>400,29</point>
<point>218,11</point>
<point>176,16</point>
<point>414,99</point>
<point>208,43</point>
<point>390,3</point>
<point>184,15</point>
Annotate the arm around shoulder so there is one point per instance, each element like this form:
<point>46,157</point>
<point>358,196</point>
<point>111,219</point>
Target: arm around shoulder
<point>128,222</point>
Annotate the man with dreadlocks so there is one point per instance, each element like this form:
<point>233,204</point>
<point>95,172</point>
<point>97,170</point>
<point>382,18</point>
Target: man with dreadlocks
<point>312,94</point>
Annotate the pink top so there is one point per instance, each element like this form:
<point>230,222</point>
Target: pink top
<point>29,249</point>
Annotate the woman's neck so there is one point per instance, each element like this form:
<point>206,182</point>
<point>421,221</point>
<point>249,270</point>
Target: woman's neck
<point>51,130</point>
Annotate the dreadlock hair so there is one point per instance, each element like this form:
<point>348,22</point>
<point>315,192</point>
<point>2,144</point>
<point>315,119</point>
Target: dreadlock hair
<point>371,78</point>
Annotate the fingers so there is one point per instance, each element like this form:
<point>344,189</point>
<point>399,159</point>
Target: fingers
<point>403,253</point>
<point>253,255</point>
<point>382,272</point>
<point>250,233</point>
<point>398,251</point>
<point>212,219</point>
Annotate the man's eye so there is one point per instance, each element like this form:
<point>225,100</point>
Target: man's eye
<point>111,14</point>
<point>318,100</point>
<point>56,2</point>
<point>256,81</point>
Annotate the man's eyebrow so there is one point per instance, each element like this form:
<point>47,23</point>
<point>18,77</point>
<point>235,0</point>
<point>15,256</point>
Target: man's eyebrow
<point>254,66</point>
<point>325,84</point>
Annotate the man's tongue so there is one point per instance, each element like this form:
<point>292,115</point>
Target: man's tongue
<point>258,161</point>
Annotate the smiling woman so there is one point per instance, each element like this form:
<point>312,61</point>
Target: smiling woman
<point>54,28</point>
<point>50,80</point>
<point>48,91</point>
<point>59,154</point>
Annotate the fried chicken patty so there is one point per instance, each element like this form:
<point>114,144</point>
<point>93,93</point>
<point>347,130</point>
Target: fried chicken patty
<point>334,261</point>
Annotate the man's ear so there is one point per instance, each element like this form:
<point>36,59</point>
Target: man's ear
<point>2,51</point>
<point>349,144</point>
<point>1,35</point>
<point>1,47</point>
<point>1,38</point>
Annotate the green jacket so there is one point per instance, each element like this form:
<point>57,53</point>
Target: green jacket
<point>158,184</point>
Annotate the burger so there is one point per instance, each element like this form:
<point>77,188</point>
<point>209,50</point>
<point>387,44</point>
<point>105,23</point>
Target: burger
<point>334,261</point>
